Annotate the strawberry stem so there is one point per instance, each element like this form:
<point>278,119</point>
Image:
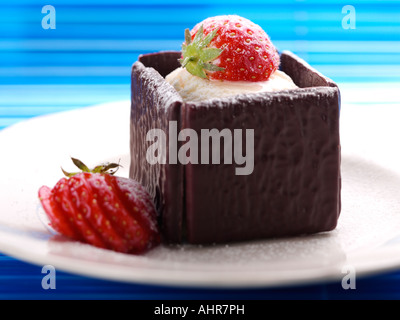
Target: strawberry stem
<point>196,54</point>
<point>106,168</point>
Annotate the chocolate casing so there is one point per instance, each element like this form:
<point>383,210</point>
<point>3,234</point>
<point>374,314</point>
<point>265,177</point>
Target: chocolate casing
<point>295,186</point>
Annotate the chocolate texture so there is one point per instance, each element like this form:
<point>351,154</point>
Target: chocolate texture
<point>295,186</point>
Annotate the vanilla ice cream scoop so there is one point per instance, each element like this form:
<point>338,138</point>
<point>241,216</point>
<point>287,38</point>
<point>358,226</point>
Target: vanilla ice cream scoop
<point>193,88</point>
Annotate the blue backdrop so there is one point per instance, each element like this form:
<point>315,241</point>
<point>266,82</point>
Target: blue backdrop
<point>97,41</point>
<point>86,59</point>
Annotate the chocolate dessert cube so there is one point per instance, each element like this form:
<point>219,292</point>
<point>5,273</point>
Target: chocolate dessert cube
<point>291,188</point>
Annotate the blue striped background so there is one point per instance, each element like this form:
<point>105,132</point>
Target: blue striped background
<point>87,59</point>
<point>96,42</point>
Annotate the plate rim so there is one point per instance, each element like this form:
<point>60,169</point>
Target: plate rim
<point>359,259</point>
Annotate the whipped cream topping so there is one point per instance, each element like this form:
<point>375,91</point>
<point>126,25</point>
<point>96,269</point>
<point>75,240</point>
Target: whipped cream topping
<point>193,88</point>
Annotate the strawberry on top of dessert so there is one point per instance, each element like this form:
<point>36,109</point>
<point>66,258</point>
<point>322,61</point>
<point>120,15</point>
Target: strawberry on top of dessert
<point>227,55</point>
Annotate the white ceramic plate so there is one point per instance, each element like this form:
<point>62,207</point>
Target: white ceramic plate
<point>365,239</point>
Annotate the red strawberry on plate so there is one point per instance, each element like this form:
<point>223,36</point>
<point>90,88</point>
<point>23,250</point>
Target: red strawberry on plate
<point>96,207</point>
<point>229,48</point>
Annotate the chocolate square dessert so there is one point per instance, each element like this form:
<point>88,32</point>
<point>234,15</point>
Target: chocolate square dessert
<point>293,183</point>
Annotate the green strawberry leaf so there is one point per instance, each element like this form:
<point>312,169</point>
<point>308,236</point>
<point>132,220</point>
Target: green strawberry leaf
<point>196,69</point>
<point>210,37</point>
<point>80,165</point>
<point>188,37</point>
<point>108,168</point>
<point>212,67</point>
<point>208,54</point>
<point>197,55</point>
